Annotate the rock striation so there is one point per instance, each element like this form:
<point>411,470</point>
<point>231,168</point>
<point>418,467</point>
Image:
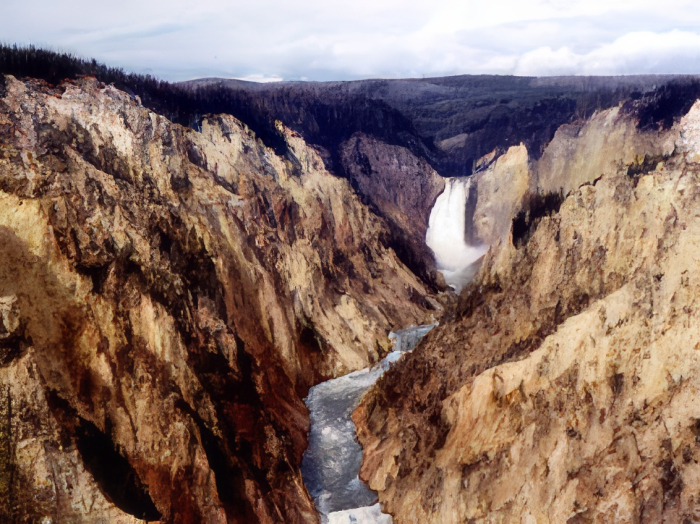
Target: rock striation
<point>564,389</point>
<point>402,188</point>
<point>169,295</point>
<point>167,298</point>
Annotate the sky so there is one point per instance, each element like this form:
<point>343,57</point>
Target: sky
<point>268,40</point>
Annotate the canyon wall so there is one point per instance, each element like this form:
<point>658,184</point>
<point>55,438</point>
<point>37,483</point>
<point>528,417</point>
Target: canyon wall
<point>167,298</point>
<point>169,294</point>
<point>402,188</point>
<point>391,138</point>
<point>564,387</point>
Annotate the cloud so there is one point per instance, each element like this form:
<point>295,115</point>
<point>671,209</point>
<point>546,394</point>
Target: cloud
<point>120,35</point>
<point>262,79</point>
<point>342,39</point>
<point>636,52</point>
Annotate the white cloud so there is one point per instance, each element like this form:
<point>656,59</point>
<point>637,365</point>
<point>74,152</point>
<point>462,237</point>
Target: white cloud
<point>262,79</point>
<point>547,61</point>
<point>343,39</point>
<point>636,52</point>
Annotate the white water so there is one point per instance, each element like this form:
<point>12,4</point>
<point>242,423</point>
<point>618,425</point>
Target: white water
<point>366,515</point>
<point>455,259</point>
<point>331,463</point>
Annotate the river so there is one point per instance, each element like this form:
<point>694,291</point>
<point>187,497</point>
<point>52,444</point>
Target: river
<point>331,464</point>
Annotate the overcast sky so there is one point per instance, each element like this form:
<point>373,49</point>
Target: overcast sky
<point>340,40</point>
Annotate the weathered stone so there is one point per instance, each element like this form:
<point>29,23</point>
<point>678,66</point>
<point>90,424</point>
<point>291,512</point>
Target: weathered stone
<point>565,389</point>
<point>9,317</point>
<point>179,292</point>
<point>402,188</point>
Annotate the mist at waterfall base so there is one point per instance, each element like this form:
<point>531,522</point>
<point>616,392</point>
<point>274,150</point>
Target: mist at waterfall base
<point>455,259</point>
<point>331,463</point>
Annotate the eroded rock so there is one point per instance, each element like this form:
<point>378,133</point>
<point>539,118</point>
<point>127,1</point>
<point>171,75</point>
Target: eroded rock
<point>9,317</point>
<point>179,292</point>
<point>402,188</point>
<point>565,388</point>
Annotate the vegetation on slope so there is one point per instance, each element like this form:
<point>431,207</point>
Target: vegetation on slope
<point>182,106</point>
<point>452,122</point>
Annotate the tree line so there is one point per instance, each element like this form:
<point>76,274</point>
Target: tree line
<point>185,106</point>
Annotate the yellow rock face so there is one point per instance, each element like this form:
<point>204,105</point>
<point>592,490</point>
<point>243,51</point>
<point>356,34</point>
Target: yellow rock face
<point>566,390</point>
<point>166,299</point>
<point>500,192</point>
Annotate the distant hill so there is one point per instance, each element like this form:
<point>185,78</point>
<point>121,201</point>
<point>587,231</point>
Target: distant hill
<point>454,121</point>
<point>451,122</point>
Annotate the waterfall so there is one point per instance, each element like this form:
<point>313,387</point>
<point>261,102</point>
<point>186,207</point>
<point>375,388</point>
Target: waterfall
<point>446,234</point>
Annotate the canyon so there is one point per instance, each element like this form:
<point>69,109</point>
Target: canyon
<point>183,306</point>
<point>168,299</point>
<point>562,389</point>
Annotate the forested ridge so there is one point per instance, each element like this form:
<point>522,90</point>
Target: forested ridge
<point>452,122</point>
<point>182,106</point>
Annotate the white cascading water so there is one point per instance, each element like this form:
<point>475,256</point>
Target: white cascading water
<point>331,463</point>
<point>455,259</point>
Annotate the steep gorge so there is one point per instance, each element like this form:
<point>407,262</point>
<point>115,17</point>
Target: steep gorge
<point>564,389</point>
<point>168,297</point>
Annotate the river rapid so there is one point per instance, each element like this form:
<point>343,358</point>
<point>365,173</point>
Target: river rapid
<point>331,464</point>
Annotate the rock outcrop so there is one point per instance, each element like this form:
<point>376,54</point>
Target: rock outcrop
<point>167,297</point>
<point>402,188</point>
<point>565,387</point>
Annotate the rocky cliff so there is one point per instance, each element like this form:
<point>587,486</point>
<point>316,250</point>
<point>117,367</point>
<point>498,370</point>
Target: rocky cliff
<point>167,297</point>
<point>564,389</point>
<point>455,126</point>
<point>402,188</point>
